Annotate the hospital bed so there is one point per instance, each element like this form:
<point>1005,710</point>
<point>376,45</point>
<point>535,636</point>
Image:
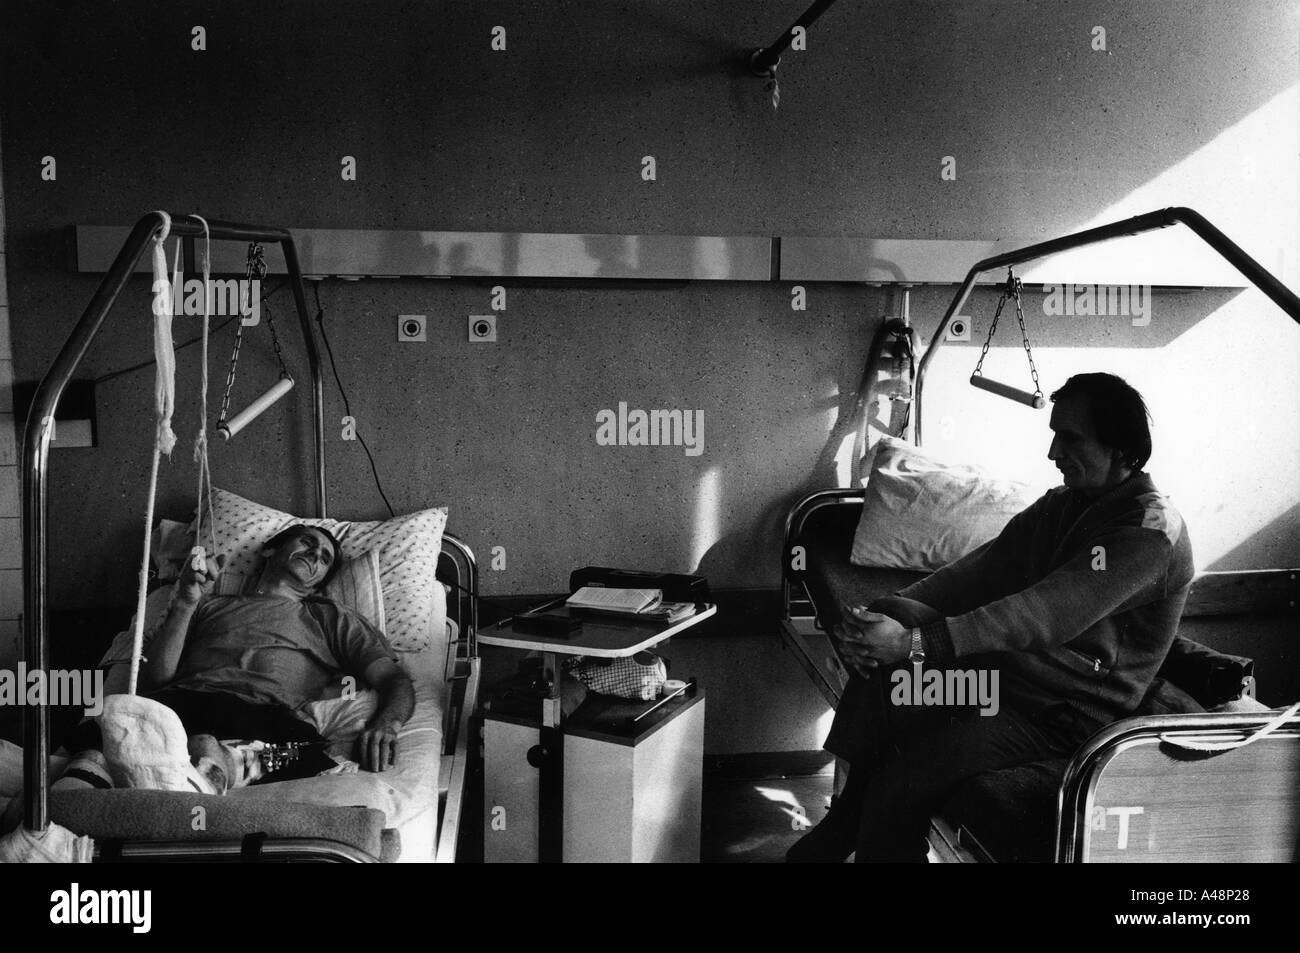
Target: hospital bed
<point>1134,791</point>
<point>258,823</point>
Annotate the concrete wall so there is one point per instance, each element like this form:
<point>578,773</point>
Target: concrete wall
<point>1048,133</point>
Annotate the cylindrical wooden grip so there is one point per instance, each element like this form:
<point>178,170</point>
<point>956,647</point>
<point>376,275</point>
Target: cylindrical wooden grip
<point>1035,401</point>
<point>255,409</point>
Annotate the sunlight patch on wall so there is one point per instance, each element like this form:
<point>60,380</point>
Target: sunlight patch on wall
<point>1244,181</point>
<point>1222,397</point>
<point>708,517</point>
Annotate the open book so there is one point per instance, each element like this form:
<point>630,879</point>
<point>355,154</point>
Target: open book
<point>642,603</point>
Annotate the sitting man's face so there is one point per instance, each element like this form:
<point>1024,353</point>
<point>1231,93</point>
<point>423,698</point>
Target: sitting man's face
<point>1085,464</point>
<point>304,559</point>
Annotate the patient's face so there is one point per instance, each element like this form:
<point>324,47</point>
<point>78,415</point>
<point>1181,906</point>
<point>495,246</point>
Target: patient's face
<point>1085,464</point>
<point>306,557</point>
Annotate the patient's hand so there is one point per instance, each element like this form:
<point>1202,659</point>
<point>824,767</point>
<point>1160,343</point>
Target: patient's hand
<point>377,747</point>
<point>197,581</point>
<point>870,639</point>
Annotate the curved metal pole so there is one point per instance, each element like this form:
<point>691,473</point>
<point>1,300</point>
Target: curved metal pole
<point>36,451</point>
<point>313,358</point>
<point>1261,277</point>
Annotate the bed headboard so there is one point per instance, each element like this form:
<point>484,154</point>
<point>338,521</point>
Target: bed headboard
<point>458,568</point>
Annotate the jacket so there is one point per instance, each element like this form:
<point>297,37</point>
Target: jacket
<point>1075,601</point>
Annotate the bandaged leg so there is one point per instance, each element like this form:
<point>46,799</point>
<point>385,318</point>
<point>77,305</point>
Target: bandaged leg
<point>146,747</point>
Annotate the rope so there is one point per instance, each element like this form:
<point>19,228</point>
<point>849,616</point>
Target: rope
<point>164,438</point>
<point>1218,746</point>
<point>201,439</point>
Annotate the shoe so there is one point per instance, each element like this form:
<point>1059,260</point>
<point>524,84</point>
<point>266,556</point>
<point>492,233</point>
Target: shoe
<point>831,841</point>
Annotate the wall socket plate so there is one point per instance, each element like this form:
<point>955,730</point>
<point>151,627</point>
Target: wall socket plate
<point>412,328</point>
<point>482,328</point>
<point>958,329</point>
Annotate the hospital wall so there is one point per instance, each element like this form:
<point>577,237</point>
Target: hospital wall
<point>1048,134</point>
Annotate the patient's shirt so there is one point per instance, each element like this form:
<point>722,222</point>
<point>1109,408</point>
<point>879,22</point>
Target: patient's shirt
<point>275,650</point>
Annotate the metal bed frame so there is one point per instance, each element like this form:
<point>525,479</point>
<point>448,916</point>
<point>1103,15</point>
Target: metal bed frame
<point>457,560</point>
<point>1082,771</point>
<point>1259,276</point>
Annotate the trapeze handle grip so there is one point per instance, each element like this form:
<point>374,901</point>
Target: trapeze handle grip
<point>255,409</point>
<point>1035,401</point>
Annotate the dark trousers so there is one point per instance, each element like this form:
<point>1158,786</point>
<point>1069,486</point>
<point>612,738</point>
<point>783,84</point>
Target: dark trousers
<point>230,719</point>
<point>906,759</point>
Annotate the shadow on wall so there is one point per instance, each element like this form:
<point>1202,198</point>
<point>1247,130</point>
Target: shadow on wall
<point>1270,546</point>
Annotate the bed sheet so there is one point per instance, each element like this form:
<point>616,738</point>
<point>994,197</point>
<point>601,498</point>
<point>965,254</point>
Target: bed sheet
<point>408,792</point>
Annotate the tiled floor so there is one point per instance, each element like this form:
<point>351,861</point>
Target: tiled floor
<point>756,821</point>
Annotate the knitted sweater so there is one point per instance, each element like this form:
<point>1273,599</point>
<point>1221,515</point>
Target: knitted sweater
<point>1078,599</point>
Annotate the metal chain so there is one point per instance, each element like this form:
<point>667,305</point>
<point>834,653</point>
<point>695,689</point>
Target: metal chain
<point>984,351</point>
<point>275,340</point>
<point>1024,334</point>
<point>1011,289</point>
<point>254,267</point>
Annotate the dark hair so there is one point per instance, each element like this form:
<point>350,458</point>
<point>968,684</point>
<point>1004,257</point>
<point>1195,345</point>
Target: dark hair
<point>289,532</point>
<point>1119,414</point>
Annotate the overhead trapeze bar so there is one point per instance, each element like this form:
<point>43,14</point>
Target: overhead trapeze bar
<point>1258,275</point>
<point>977,378</point>
<point>1036,401</point>
<point>255,409</point>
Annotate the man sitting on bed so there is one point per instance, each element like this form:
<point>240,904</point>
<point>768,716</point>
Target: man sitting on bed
<point>241,667</point>
<point>1076,604</point>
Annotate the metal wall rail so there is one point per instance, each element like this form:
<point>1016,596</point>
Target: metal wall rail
<point>1253,270</point>
<point>36,450</point>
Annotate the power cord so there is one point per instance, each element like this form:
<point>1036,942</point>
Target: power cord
<point>111,375</point>
<point>320,320</point>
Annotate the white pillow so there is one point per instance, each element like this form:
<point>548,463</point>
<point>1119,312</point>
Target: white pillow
<point>921,513</point>
<point>415,605</point>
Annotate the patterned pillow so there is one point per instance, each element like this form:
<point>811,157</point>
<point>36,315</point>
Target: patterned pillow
<point>407,547</point>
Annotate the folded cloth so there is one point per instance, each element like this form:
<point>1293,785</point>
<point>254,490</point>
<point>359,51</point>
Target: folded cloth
<point>54,845</point>
<point>639,677</point>
<point>146,747</point>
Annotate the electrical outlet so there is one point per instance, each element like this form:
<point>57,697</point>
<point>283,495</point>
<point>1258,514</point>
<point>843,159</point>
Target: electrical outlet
<point>482,328</point>
<point>958,329</point>
<point>411,328</point>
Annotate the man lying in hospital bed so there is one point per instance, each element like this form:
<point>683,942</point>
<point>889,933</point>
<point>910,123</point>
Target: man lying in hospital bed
<point>246,666</point>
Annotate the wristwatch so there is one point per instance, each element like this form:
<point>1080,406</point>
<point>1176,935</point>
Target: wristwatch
<point>917,655</point>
